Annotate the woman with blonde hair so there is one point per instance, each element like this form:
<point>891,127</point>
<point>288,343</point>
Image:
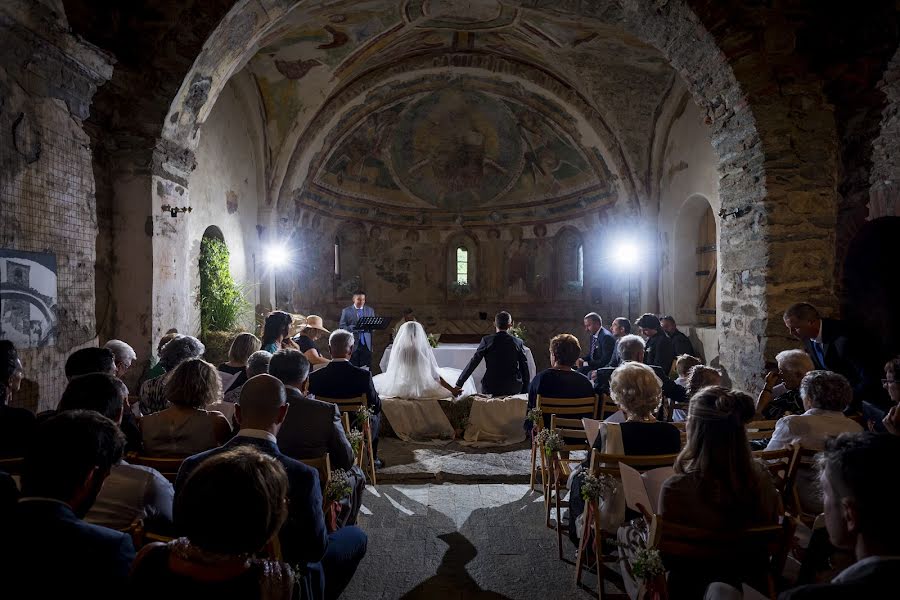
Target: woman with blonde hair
<point>186,427</point>
<point>234,372</point>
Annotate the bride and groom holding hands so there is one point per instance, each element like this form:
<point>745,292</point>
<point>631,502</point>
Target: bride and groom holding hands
<point>413,371</point>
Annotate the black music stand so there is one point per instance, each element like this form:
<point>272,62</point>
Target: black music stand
<point>362,356</point>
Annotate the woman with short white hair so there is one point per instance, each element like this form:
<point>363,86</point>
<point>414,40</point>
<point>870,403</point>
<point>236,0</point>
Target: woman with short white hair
<point>124,355</point>
<point>793,365</point>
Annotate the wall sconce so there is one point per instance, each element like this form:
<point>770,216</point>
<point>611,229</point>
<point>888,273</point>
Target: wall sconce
<point>738,212</point>
<point>174,210</point>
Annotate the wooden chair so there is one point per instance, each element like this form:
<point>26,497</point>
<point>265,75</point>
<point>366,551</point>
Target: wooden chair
<point>140,537</point>
<point>781,464</point>
<point>350,407</point>
<point>565,407</point>
<point>702,545</point>
<point>168,467</point>
<point>760,430</point>
<point>561,467</point>
<point>608,464</point>
<point>13,466</point>
<point>607,407</point>
<point>805,456</point>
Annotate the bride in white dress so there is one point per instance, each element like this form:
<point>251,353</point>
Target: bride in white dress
<point>413,372</point>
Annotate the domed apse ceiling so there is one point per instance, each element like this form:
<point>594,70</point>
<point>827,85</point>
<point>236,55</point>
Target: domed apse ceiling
<point>434,111</point>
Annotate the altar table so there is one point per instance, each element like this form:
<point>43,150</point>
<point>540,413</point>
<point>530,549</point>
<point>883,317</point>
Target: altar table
<point>457,356</point>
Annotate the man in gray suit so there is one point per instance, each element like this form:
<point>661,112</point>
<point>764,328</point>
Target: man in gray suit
<point>362,342</point>
<point>312,428</point>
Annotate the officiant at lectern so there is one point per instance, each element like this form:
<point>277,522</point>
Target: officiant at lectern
<point>362,340</point>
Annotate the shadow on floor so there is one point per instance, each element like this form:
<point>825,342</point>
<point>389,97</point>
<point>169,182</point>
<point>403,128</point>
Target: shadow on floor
<point>452,579</point>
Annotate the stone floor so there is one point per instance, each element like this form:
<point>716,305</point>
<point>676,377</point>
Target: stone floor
<point>419,463</point>
<point>461,541</point>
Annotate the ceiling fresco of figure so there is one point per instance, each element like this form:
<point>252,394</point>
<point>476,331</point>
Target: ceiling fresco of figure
<point>451,149</point>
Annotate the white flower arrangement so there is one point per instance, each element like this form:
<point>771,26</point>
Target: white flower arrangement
<point>550,440</point>
<point>363,415</point>
<point>647,564</point>
<point>536,416</point>
<point>355,437</point>
<point>338,486</point>
<point>594,488</point>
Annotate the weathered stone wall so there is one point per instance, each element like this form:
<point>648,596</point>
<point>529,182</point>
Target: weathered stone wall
<point>47,204</point>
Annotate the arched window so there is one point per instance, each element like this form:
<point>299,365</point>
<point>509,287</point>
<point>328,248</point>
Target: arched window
<point>570,262</point>
<point>462,265</point>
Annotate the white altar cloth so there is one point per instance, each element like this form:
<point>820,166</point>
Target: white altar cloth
<point>457,356</point>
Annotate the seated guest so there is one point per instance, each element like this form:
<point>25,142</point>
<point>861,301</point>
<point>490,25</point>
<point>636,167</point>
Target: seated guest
<point>859,499</point>
<point>134,440</point>
<point>157,369</point>
<point>601,347</point>
<point>216,558</point>
<point>891,383</point>
<point>49,551</point>
<point>506,370</point>
<point>700,377</point>
<point>312,427</point>
<point>130,492</point>
<point>561,380</point>
<point>186,427</point>
<point>620,327</point>
<point>793,365</point>
<point>261,412</point>
<point>340,380</point>
<point>16,424</point>
<point>718,486</point>
<point>659,350</point>
<point>306,341</point>
<point>825,395</point>
<point>631,349</point>
<point>680,342</point>
<point>683,366</point>
<point>234,372</point>
<point>277,332</point>
<point>90,360</point>
<point>637,390</point>
<point>123,355</point>
<point>174,353</point>
<point>257,364</point>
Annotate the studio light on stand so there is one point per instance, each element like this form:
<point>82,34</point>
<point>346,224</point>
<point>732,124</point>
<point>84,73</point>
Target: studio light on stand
<point>277,256</point>
<point>626,255</point>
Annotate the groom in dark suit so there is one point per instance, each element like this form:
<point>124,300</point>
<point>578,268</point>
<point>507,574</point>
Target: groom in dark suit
<point>340,379</point>
<point>507,367</point>
<point>362,341</point>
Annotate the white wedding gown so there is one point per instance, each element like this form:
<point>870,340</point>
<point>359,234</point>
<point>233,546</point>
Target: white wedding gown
<point>413,372</point>
<point>410,388</point>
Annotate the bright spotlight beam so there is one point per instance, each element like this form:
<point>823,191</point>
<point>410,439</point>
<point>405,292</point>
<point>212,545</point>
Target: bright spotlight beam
<point>626,254</point>
<point>277,256</point>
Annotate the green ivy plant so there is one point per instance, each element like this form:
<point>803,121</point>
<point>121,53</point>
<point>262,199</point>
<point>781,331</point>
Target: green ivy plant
<point>222,301</point>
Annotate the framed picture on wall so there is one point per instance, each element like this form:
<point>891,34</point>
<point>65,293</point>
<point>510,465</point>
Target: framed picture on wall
<point>28,298</point>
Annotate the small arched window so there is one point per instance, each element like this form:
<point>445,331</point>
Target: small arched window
<point>462,265</point>
<point>579,260</point>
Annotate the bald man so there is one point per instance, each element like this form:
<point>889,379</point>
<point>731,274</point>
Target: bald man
<point>260,412</point>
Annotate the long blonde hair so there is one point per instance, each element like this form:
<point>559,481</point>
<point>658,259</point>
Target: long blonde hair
<point>194,384</point>
<point>242,347</point>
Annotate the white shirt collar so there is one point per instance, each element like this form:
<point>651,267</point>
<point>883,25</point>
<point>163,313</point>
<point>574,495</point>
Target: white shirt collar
<point>340,360</point>
<point>819,337</point>
<point>258,434</point>
<point>853,569</point>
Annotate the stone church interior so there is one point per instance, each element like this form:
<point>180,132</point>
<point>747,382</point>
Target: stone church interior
<point>426,299</point>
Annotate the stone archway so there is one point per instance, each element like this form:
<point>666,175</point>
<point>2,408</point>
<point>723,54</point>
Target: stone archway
<point>753,130</point>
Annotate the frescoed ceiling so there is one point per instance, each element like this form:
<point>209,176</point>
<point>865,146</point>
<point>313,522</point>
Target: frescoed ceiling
<point>454,148</point>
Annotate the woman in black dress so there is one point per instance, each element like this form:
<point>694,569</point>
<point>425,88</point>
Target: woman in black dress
<point>311,332</point>
<point>561,380</point>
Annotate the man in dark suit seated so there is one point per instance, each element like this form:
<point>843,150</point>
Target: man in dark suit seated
<point>828,343</point>
<point>340,380</point>
<point>860,495</point>
<point>313,427</point>
<point>631,348</point>
<point>507,368</point>
<point>659,350</point>
<point>601,347</point>
<point>680,342</point>
<point>261,413</point>
<point>48,551</point>
<point>619,328</point>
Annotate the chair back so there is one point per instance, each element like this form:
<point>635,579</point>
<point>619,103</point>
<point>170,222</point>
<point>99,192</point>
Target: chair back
<point>571,431</point>
<point>13,466</point>
<point>568,407</point>
<point>608,464</point>
<point>322,464</point>
<point>607,407</point>
<point>345,421</point>
<point>760,430</point>
<point>168,467</point>
<point>782,466</point>
<point>347,405</point>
